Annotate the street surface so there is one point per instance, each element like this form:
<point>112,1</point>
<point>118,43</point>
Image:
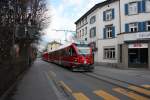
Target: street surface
<point>47,81</point>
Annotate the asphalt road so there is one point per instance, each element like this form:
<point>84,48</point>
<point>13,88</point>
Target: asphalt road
<point>47,81</point>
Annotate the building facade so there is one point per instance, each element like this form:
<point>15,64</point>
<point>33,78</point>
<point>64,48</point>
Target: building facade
<point>53,45</point>
<point>119,31</point>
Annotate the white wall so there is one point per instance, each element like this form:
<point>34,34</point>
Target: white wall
<point>119,28</point>
<point>140,17</point>
<point>100,26</point>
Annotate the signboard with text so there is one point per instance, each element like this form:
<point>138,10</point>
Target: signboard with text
<point>138,45</point>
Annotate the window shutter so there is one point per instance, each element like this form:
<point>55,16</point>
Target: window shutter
<point>139,7</point>
<point>113,32</point>
<point>94,31</point>
<point>104,33</point>
<point>143,6</point>
<point>126,9</point>
<point>126,28</point>
<point>142,26</point>
<point>104,16</point>
<point>113,13</point>
<point>90,33</point>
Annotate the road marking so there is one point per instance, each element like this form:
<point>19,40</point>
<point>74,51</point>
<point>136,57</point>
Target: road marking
<point>65,86</point>
<point>105,95</point>
<point>80,96</point>
<point>52,73</point>
<point>146,86</point>
<point>56,91</point>
<point>140,90</point>
<point>130,94</point>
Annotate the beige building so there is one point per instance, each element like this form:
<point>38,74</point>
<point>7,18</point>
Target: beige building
<point>53,45</point>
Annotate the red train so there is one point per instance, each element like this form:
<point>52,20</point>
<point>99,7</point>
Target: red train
<point>77,57</point>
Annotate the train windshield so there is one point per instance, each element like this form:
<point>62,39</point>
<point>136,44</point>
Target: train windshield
<point>84,50</point>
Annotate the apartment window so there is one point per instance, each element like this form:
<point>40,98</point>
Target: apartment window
<point>133,8</point>
<point>85,30</point>
<point>92,32</point>
<point>92,19</point>
<point>82,22</point>
<point>85,20</point>
<point>109,32</point>
<point>108,15</point>
<point>85,39</point>
<point>78,34</point>
<point>147,5</point>
<point>109,53</point>
<point>148,26</point>
<point>82,32</point>
<point>133,27</point>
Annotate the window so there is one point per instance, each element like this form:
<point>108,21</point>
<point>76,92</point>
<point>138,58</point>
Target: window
<point>78,35</point>
<point>92,20</point>
<point>85,30</point>
<point>108,15</point>
<point>133,27</point>
<point>85,39</point>
<point>109,53</point>
<point>72,52</point>
<point>133,8</point>
<point>82,32</point>
<point>148,26</point>
<point>109,32</point>
<point>85,20</point>
<point>148,5</point>
<point>92,32</point>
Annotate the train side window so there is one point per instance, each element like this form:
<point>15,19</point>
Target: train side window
<point>70,52</point>
<point>73,52</point>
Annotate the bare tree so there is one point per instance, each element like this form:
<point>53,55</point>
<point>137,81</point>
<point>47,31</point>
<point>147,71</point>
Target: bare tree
<point>21,21</point>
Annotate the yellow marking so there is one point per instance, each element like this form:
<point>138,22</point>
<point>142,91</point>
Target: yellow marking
<point>146,86</point>
<point>130,94</point>
<point>80,96</point>
<point>140,90</point>
<point>105,95</point>
<point>53,73</point>
<point>65,86</point>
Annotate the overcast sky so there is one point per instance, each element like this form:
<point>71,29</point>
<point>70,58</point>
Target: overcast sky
<point>63,15</point>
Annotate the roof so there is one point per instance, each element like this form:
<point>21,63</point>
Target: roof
<point>101,4</point>
<point>54,42</point>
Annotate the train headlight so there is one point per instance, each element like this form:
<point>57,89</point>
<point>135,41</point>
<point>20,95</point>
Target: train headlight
<point>84,61</point>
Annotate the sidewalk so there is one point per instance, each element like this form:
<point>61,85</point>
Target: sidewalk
<point>35,85</point>
<point>134,76</point>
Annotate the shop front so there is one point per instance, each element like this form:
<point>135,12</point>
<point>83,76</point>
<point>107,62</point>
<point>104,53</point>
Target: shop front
<point>138,55</point>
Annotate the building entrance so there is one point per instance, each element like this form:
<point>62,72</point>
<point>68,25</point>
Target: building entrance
<point>138,57</point>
